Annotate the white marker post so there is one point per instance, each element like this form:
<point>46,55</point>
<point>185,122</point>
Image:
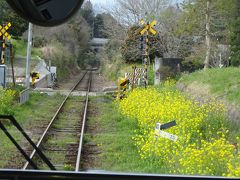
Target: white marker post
<point>159,132</point>
<point>168,136</point>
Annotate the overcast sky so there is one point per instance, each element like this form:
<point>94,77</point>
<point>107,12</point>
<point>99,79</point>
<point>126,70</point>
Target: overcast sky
<point>100,5</point>
<point>104,2</point>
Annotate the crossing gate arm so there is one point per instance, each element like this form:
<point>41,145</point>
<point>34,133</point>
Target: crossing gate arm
<point>59,175</point>
<point>21,150</point>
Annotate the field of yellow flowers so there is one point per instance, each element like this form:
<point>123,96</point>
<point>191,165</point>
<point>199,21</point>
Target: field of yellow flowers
<point>203,146</point>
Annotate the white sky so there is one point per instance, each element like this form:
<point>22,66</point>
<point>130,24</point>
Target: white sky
<point>100,1</point>
<point>99,5</point>
<point>106,2</point>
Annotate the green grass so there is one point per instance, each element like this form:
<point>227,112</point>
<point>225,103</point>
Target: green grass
<point>20,47</point>
<point>31,115</point>
<point>114,139</point>
<point>221,82</point>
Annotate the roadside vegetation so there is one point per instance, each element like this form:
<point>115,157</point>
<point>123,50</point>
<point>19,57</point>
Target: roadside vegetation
<point>223,82</point>
<point>125,135</point>
<point>113,138</point>
<point>6,101</point>
<point>20,49</point>
<point>31,115</point>
<point>204,146</point>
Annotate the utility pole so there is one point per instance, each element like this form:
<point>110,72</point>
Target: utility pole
<point>29,49</point>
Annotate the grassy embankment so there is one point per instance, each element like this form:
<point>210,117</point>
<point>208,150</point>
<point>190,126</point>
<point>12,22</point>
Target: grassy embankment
<point>115,133</point>
<point>20,53</point>
<point>223,82</point>
<point>32,115</point>
<point>114,137</point>
<point>20,47</point>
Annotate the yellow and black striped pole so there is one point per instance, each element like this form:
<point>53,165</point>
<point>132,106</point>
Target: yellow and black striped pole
<point>146,57</point>
<point>3,46</point>
<point>3,36</point>
<point>122,87</point>
<point>147,30</point>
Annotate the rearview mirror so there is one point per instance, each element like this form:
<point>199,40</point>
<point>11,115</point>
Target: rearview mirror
<point>46,12</point>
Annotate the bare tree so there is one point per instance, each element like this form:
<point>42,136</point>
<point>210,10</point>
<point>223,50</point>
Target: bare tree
<point>112,28</point>
<point>208,39</point>
<point>220,56</point>
<point>171,43</point>
<point>209,19</point>
<point>74,35</point>
<point>129,12</point>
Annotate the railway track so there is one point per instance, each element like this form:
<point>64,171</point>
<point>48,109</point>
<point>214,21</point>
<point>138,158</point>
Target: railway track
<point>62,139</point>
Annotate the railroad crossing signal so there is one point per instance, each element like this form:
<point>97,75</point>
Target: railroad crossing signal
<point>122,85</point>
<point>34,76</point>
<point>3,36</point>
<point>160,127</point>
<point>148,27</point>
<point>3,31</point>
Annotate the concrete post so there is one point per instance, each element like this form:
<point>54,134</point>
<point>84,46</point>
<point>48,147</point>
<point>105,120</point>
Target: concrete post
<point>157,66</point>
<point>29,49</point>
<point>3,76</point>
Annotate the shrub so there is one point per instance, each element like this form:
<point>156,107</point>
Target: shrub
<point>6,101</point>
<point>166,72</point>
<point>39,41</point>
<point>61,58</point>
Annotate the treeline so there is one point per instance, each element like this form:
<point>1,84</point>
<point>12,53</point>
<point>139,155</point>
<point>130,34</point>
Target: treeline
<point>66,46</point>
<point>8,15</point>
<point>204,33</point>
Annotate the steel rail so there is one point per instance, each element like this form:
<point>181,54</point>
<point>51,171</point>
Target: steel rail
<point>83,126</point>
<point>51,122</point>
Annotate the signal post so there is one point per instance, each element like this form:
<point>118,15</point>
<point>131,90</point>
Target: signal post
<point>4,45</point>
<point>146,31</point>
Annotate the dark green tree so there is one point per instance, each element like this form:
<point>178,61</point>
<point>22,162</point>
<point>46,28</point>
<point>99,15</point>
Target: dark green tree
<point>8,15</point>
<point>235,38</point>
<point>99,28</point>
<point>88,14</point>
